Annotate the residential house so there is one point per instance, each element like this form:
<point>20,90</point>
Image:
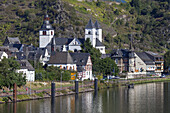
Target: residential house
<point>27,70</point>
<point>84,65</point>
<point>63,60</point>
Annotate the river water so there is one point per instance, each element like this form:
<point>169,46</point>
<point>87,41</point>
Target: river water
<point>144,98</point>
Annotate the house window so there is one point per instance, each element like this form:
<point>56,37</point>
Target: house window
<point>101,48</point>
<point>89,32</point>
<point>51,32</point>
<point>44,32</point>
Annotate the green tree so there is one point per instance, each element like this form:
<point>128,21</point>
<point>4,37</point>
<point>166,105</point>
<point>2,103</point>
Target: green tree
<point>94,53</point>
<point>167,60</point>
<point>107,66</point>
<point>8,74</point>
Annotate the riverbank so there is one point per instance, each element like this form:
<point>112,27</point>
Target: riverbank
<point>89,86</point>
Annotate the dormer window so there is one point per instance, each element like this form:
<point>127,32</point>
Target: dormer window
<point>81,60</point>
<point>44,32</point>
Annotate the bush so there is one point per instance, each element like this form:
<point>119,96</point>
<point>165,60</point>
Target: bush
<point>5,99</point>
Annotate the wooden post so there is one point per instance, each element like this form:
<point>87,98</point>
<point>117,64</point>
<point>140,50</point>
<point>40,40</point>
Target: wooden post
<point>76,86</point>
<point>15,93</point>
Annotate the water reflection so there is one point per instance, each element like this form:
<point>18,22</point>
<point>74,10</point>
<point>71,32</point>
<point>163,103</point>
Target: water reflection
<point>145,98</point>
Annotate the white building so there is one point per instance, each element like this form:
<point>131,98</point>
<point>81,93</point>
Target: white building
<point>27,70</point>
<point>46,33</point>
<point>94,33</point>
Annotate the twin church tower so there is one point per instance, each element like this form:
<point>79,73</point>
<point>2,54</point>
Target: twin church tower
<point>92,31</point>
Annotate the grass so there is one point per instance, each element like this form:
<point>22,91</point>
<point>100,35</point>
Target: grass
<point>21,97</point>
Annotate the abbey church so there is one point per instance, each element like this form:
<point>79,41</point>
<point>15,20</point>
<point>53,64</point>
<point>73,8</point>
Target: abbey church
<point>48,41</point>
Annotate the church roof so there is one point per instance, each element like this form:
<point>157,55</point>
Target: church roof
<point>97,25</point>
<point>98,43</point>
<point>90,25</point>
<point>60,58</point>
<point>46,24</point>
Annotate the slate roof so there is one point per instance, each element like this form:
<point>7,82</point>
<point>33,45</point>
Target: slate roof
<point>80,59</point>
<point>124,53</point>
<point>60,58</point>
<point>11,40</point>
<point>25,65</point>
<point>18,46</point>
<point>18,55</point>
<point>145,58</point>
<point>117,53</point>
<point>63,41</point>
<point>98,43</point>
<point>97,25</point>
<point>14,40</point>
<point>90,25</point>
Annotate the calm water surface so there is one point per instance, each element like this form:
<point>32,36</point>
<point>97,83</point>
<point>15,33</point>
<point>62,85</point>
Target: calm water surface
<point>145,98</point>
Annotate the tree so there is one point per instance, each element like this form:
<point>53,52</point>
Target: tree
<point>108,67</point>
<point>167,60</point>
<point>95,54</point>
<point>8,74</point>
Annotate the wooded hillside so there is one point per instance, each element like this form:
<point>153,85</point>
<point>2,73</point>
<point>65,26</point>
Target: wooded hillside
<point>147,20</point>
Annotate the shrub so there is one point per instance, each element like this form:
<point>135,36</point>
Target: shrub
<point>5,99</point>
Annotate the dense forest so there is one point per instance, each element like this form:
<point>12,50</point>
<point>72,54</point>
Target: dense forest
<point>146,20</point>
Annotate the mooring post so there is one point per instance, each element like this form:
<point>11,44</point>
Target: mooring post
<point>15,93</point>
<point>95,84</point>
<point>76,86</point>
<point>52,90</point>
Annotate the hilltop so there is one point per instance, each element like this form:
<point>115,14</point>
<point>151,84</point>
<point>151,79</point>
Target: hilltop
<point>147,20</point>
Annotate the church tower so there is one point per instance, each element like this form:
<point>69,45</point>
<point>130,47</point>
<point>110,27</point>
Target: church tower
<point>90,32</point>
<point>132,63</point>
<point>98,31</point>
<point>46,33</point>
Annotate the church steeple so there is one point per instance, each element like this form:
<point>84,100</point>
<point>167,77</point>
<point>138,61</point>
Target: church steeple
<point>46,33</point>
<point>90,25</point>
<point>97,25</point>
<point>46,23</point>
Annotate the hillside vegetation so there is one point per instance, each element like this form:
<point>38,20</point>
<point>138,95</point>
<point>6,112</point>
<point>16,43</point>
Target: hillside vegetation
<point>147,20</point>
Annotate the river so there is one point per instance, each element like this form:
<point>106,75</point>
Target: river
<point>144,98</point>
